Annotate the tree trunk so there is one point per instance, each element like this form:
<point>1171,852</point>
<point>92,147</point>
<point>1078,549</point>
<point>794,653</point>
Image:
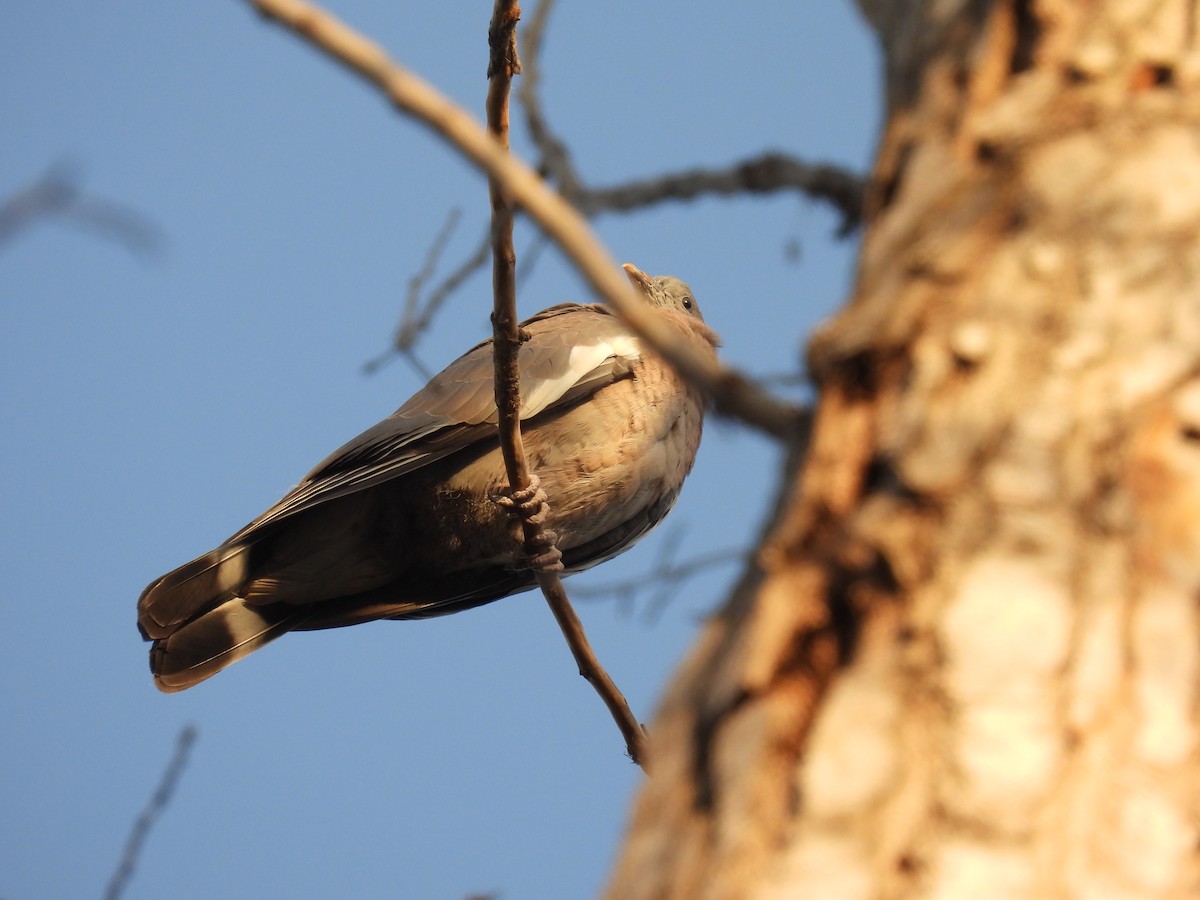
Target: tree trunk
<point>965,664</point>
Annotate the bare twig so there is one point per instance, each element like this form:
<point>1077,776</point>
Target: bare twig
<point>461,273</point>
<point>533,253</point>
<point>555,159</point>
<point>667,576</point>
<point>590,668</point>
<point>58,194</point>
<point>506,343</point>
<point>447,286</point>
<point>469,267</point>
<point>733,393</point>
<point>410,331</point>
<point>145,821</point>
<point>506,340</point>
<point>416,316</point>
<point>764,174</point>
<point>768,173</point>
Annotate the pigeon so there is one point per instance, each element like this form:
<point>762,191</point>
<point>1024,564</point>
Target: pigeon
<point>407,520</point>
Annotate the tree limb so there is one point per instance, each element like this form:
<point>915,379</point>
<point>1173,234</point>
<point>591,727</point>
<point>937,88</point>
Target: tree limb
<point>767,173</point>
<point>733,393</point>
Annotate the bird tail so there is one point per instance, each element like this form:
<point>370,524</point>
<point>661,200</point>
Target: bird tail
<point>199,622</point>
<point>192,589</point>
<point>220,637</point>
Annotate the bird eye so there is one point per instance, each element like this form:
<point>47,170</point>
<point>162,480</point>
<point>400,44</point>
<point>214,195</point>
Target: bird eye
<point>687,303</point>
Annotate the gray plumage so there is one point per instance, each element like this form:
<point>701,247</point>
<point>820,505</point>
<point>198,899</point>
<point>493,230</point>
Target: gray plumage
<point>402,522</point>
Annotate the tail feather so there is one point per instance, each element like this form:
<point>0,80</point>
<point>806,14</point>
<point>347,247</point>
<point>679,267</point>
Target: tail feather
<point>220,637</point>
<point>192,589</point>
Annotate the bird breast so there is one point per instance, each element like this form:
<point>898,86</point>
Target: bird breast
<point>620,456</point>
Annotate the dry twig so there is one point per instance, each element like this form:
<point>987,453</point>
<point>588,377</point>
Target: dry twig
<point>145,821</point>
<point>58,194</point>
<point>733,394</point>
<point>767,173</point>
<point>417,316</point>
<point>506,343</point>
<point>409,331</point>
<point>764,174</point>
<point>667,576</point>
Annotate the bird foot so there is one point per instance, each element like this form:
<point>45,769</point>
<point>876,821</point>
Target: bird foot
<point>541,554</point>
<point>530,505</point>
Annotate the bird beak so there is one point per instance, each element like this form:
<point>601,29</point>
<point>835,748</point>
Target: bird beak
<point>639,278</point>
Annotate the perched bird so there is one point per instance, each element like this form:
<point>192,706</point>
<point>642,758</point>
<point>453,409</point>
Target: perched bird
<point>403,521</point>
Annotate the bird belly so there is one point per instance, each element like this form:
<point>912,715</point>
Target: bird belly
<point>611,467</point>
<point>435,541</point>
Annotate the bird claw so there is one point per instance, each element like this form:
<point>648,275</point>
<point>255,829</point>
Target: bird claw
<point>530,505</point>
<point>541,555</point>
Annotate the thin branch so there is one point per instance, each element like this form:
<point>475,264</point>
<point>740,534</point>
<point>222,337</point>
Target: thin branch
<point>733,394</point>
<point>590,668</point>
<point>671,580</point>
<point>461,273</point>
<point>667,576</point>
<point>417,316</point>
<point>506,344</point>
<point>414,316</point>
<point>768,173</point>
<point>409,332</point>
<point>154,809</point>
<point>506,339</point>
<point>555,158</point>
<point>58,194</point>
<point>447,286</point>
<point>765,174</point>
<point>533,253</point>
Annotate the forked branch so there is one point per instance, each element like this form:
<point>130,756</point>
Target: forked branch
<point>733,394</point>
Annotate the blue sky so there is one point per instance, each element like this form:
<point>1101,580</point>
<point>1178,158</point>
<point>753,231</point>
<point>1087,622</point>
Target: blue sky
<point>153,406</point>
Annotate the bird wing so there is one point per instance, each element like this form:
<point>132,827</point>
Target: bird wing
<point>572,351</point>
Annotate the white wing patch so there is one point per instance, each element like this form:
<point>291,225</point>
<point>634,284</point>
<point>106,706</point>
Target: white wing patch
<point>583,359</point>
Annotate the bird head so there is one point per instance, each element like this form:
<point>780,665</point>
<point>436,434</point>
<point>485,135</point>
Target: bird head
<point>664,291</point>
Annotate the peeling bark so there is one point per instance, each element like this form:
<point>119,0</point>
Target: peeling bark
<point>965,661</point>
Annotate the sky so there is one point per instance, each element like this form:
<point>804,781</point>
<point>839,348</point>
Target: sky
<point>155,400</point>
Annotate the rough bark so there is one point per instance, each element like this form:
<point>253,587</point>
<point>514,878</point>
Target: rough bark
<point>965,662</point>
